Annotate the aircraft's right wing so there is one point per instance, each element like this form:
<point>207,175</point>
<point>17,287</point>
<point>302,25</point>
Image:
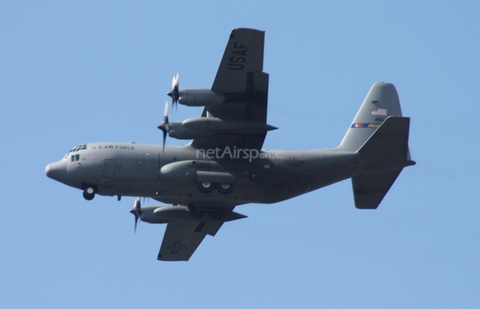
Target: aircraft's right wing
<point>182,238</point>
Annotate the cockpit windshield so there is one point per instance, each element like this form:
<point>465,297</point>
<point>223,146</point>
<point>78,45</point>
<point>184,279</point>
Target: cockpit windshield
<point>74,150</point>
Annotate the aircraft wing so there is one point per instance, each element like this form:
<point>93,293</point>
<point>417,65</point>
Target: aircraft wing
<point>243,54</point>
<point>245,86</point>
<point>182,238</point>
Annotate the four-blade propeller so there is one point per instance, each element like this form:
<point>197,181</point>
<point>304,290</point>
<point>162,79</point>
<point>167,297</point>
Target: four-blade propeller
<point>136,211</point>
<point>165,126</point>
<point>175,93</point>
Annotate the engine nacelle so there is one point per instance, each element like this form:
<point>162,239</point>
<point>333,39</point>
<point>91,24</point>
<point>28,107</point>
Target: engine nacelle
<point>179,131</point>
<point>218,125</point>
<point>166,213</point>
<point>148,214</point>
<point>200,97</point>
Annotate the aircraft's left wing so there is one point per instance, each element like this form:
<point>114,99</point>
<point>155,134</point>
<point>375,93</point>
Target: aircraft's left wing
<point>182,238</point>
<point>241,80</point>
<point>243,56</point>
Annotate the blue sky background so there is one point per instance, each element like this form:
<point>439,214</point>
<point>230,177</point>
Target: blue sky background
<point>77,72</point>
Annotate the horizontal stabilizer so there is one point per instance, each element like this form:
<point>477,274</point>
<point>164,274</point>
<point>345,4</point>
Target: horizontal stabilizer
<point>370,189</point>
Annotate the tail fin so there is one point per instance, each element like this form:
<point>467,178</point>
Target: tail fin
<point>380,133</point>
<point>381,102</point>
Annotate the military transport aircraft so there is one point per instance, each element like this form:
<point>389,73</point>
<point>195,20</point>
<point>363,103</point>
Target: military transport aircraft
<point>223,166</point>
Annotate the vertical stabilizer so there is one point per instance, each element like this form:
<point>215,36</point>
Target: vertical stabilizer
<point>381,102</point>
<point>379,134</point>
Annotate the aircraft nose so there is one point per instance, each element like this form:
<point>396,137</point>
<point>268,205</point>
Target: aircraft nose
<point>56,170</point>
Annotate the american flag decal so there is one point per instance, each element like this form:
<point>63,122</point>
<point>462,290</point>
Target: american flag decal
<point>380,112</point>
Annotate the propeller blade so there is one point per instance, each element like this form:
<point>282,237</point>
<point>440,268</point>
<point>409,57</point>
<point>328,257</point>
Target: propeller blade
<point>135,226</point>
<point>137,212</point>
<point>164,139</point>
<point>165,126</point>
<point>165,113</point>
<point>175,92</point>
<point>175,81</point>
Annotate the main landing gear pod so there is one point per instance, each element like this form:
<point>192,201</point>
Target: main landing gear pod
<point>207,181</point>
<point>208,187</point>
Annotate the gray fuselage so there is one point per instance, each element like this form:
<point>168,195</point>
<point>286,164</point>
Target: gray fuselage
<point>172,175</point>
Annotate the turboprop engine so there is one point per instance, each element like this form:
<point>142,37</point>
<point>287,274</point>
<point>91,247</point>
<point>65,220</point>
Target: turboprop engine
<point>199,97</point>
<point>193,97</point>
<point>166,214</point>
<point>207,125</point>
